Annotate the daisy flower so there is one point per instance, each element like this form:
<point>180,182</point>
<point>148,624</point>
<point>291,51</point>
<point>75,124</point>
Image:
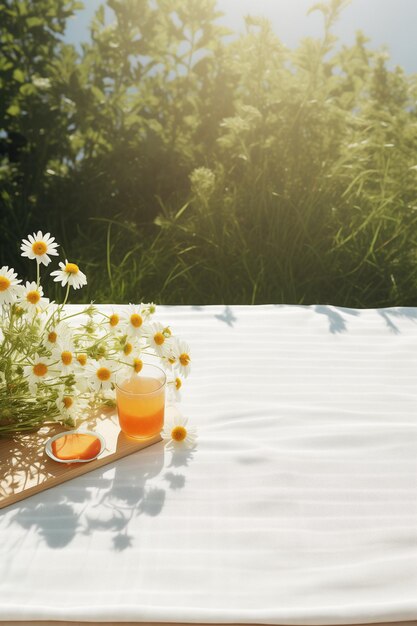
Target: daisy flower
<point>174,389</point>
<point>64,353</point>
<point>170,360</point>
<point>131,363</point>
<point>31,298</point>
<point>101,374</point>
<point>148,309</point>
<point>180,355</point>
<point>70,274</point>
<point>83,371</point>
<point>9,286</point>
<point>177,433</point>
<point>37,372</point>
<point>159,338</point>
<point>137,364</point>
<point>134,322</point>
<point>39,247</point>
<point>82,359</point>
<point>70,405</point>
<point>127,346</point>
<point>112,323</point>
<point>56,334</point>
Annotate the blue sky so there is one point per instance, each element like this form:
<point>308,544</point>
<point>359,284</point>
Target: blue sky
<point>389,23</point>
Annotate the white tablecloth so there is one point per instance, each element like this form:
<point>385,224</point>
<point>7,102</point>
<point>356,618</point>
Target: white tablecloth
<point>299,505</point>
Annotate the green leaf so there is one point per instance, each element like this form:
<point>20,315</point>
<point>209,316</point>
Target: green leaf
<point>27,89</point>
<point>13,110</point>
<point>18,75</point>
<point>98,94</point>
<point>34,21</point>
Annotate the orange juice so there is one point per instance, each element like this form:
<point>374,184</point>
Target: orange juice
<point>141,405</point>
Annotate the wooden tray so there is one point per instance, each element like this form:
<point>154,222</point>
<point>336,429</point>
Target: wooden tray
<point>25,468</point>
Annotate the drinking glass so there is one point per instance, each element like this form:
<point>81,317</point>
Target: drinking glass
<point>140,402</point>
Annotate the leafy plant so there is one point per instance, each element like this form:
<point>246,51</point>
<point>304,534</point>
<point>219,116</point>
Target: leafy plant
<point>209,168</point>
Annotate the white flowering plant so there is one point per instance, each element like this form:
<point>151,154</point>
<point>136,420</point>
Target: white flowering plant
<point>55,364</point>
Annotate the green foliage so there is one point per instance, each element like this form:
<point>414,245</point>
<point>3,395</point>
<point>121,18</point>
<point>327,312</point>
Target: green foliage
<point>187,166</point>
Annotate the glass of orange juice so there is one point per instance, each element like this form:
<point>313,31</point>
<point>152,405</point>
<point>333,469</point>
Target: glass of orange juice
<point>141,402</point>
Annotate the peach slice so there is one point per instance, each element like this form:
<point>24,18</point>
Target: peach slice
<point>74,446</point>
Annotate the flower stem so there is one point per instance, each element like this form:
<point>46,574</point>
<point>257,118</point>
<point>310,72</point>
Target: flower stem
<point>66,295</point>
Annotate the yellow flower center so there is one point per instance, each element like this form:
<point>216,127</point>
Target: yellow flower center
<point>40,369</point>
<point>159,339</point>
<point>103,373</point>
<point>68,401</point>
<point>184,359</point>
<point>39,247</point>
<point>178,383</point>
<point>71,268</point>
<point>66,357</point>
<point>171,359</point>
<point>52,337</point>
<point>179,433</point>
<point>136,320</point>
<point>4,283</point>
<point>137,365</point>
<point>33,297</point>
<point>128,349</point>
<point>114,320</point>
<point>82,359</point>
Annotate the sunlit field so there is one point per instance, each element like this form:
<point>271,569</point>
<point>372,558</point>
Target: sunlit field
<point>179,162</point>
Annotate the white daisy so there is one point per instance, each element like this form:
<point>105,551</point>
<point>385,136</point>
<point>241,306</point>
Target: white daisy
<point>159,339</point>
<point>71,405</point>
<point>56,334</point>
<point>101,374</point>
<point>64,353</point>
<point>127,348</point>
<point>112,323</point>
<point>131,363</point>
<point>134,322</point>
<point>174,389</point>
<point>170,361</point>
<point>39,247</point>
<point>70,274</point>
<point>82,382</point>
<point>82,359</point>
<point>177,433</point>
<point>180,356</point>
<point>147,309</point>
<point>9,286</point>
<point>37,372</point>
<point>31,298</point>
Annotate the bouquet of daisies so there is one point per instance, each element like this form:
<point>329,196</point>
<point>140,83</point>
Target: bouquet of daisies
<point>54,363</point>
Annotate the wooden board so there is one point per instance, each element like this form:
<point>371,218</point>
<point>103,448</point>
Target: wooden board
<point>66,623</point>
<point>25,468</point>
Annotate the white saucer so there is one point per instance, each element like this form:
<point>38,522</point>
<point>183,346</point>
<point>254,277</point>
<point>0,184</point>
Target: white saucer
<point>48,445</point>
